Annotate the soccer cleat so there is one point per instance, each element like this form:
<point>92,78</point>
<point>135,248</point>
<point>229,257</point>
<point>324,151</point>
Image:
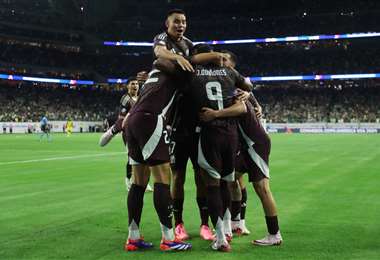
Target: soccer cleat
<point>236,229</point>
<point>174,245</point>
<point>138,244</point>
<point>243,228</point>
<point>229,238</point>
<point>269,240</point>
<point>222,247</point>
<point>148,188</point>
<point>206,233</point>
<point>180,232</point>
<point>106,137</point>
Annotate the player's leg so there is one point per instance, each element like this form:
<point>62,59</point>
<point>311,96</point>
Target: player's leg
<point>111,132</point>
<point>215,207</point>
<point>243,205</point>
<point>154,150</point>
<point>209,159</point>
<point>235,205</point>
<point>164,207</point>
<point>228,159</point>
<point>205,232</point>
<point>140,178</point>
<point>179,162</point>
<point>42,132</point>
<point>226,200</point>
<point>135,202</point>
<point>128,175</point>
<point>269,205</point>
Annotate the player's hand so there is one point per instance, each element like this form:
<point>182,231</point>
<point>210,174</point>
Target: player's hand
<point>242,95</point>
<point>185,64</point>
<point>207,114</point>
<point>142,76</point>
<point>259,111</point>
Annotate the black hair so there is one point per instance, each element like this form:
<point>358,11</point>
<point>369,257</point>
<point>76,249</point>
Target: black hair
<point>201,48</point>
<point>233,55</point>
<point>175,11</point>
<point>132,78</point>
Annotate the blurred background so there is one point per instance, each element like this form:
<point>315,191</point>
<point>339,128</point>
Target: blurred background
<point>65,40</point>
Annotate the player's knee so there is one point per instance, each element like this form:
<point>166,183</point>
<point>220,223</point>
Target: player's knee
<point>262,188</point>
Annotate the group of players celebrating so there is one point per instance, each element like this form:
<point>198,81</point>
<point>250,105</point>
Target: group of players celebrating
<point>194,105</point>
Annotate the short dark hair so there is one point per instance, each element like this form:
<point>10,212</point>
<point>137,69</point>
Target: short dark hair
<point>132,78</point>
<point>233,55</point>
<point>201,48</point>
<point>175,11</point>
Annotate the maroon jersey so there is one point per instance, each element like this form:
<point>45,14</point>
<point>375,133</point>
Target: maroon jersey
<point>214,87</point>
<point>126,103</point>
<point>157,94</point>
<point>256,145</point>
<point>182,47</point>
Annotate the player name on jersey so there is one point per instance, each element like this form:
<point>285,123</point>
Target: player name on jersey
<point>211,72</point>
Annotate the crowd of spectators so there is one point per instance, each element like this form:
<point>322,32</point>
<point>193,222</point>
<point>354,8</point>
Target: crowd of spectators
<point>332,102</point>
<point>29,102</point>
<point>323,101</point>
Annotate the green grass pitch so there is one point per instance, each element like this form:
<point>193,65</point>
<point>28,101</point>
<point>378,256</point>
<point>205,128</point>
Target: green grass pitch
<point>67,200</point>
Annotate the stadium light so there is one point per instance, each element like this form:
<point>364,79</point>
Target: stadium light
<point>46,80</point>
<point>293,78</point>
<point>253,78</point>
<point>261,40</point>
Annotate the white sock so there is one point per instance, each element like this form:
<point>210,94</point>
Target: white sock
<point>219,229</point>
<point>134,232</point>
<point>167,233</point>
<point>227,222</point>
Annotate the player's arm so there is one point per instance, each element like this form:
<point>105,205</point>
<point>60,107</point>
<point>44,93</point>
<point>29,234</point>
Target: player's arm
<point>216,58</point>
<point>166,66</point>
<point>244,83</point>
<point>162,52</point>
<point>246,96</point>
<point>208,114</point>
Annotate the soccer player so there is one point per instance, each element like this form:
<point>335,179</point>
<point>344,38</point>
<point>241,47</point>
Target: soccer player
<point>69,127</point>
<point>174,46</point>
<point>45,128</point>
<point>213,86</point>
<point>126,103</point>
<point>254,159</point>
<point>148,151</point>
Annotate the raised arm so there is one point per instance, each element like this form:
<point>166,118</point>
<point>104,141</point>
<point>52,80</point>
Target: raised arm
<point>162,52</point>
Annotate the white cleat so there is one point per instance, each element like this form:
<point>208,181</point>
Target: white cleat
<point>106,137</point>
<point>269,240</point>
<point>243,228</point>
<point>148,188</point>
<point>222,246</point>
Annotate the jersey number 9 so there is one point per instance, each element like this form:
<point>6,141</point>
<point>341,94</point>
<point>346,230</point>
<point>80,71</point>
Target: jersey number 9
<point>214,93</point>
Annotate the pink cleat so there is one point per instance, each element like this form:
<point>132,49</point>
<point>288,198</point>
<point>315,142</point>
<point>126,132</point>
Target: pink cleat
<point>180,232</point>
<point>206,233</point>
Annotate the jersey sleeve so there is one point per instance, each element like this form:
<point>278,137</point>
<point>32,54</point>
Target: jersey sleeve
<point>125,105</point>
<point>160,40</point>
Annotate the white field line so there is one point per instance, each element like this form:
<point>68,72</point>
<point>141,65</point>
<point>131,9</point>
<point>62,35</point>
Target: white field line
<point>62,158</point>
